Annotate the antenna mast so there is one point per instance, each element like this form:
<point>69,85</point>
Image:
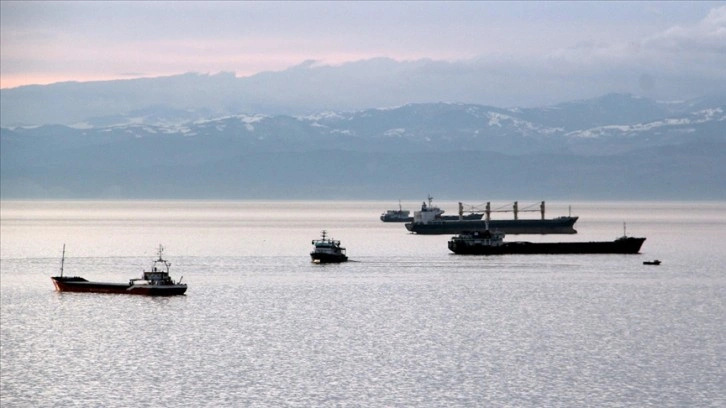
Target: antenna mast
<point>63,259</point>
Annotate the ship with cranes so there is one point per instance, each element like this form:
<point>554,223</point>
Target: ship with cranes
<point>402,215</point>
<point>427,222</point>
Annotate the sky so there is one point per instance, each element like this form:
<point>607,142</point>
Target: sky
<point>49,42</point>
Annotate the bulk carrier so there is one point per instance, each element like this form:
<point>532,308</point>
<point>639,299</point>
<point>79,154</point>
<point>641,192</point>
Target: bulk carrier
<point>425,222</point>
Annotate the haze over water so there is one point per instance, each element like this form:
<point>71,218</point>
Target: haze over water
<point>405,323</point>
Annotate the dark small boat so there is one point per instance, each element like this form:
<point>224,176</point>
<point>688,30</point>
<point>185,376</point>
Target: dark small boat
<point>399,215</point>
<point>328,250</point>
<point>653,262</point>
<point>155,282</point>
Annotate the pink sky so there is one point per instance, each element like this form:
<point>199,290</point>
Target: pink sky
<point>48,42</point>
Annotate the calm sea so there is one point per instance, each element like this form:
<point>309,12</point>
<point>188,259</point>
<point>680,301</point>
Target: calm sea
<point>405,323</point>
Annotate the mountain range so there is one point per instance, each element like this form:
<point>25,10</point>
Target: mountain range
<point>617,146</point>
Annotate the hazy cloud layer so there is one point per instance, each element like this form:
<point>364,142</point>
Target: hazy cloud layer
<point>522,54</point>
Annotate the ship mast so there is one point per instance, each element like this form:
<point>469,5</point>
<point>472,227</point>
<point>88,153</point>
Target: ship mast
<point>63,259</point>
<point>160,251</point>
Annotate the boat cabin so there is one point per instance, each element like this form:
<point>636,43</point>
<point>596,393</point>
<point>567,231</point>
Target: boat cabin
<point>482,238</point>
<point>327,245</point>
<point>427,213</point>
<point>159,273</point>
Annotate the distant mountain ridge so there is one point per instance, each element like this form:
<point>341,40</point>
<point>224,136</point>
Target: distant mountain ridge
<point>305,89</point>
<point>612,123</point>
<point>615,146</point>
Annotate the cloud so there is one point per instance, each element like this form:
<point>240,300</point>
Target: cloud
<point>707,37</point>
<point>683,60</point>
<point>524,52</point>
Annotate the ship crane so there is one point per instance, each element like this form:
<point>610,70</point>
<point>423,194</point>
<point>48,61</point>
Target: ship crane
<point>505,208</point>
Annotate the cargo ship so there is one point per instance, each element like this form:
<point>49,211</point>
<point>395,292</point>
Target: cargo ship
<point>327,250</point>
<point>492,243</point>
<point>155,282</point>
<point>399,215</point>
<point>430,210</point>
<point>425,223</point>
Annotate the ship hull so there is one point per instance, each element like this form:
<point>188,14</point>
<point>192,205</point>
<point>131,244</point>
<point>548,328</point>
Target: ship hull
<point>328,258</point>
<point>468,217</point>
<point>78,284</point>
<point>394,218</point>
<point>560,225</point>
<point>619,246</point>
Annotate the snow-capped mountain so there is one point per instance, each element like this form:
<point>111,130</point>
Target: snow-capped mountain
<point>572,148</point>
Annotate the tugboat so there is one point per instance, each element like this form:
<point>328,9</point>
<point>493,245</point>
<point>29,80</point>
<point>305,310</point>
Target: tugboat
<point>492,243</point>
<point>327,250</point>
<point>155,282</point>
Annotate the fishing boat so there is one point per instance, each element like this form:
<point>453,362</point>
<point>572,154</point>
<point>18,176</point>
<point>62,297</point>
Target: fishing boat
<point>492,243</point>
<point>327,250</point>
<point>155,282</point>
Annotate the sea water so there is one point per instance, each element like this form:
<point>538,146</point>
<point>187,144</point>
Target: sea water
<point>404,323</point>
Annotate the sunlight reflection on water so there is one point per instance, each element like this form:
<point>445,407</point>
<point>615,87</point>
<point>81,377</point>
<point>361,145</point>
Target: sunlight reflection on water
<point>406,323</point>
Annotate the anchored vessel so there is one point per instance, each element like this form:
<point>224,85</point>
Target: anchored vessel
<point>425,223</point>
<point>327,250</point>
<point>155,282</point>
<point>492,243</point>
<point>399,215</point>
<point>428,212</point>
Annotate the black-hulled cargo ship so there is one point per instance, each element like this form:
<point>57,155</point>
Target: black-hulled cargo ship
<point>425,223</point>
<point>327,250</point>
<point>155,282</point>
<point>492,243</point>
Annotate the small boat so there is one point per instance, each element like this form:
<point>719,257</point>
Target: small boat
<point>327,250</point>
<point>399,215</point>
<point>492,243</point>
<point>653,262</point>
<point>155,282</point>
